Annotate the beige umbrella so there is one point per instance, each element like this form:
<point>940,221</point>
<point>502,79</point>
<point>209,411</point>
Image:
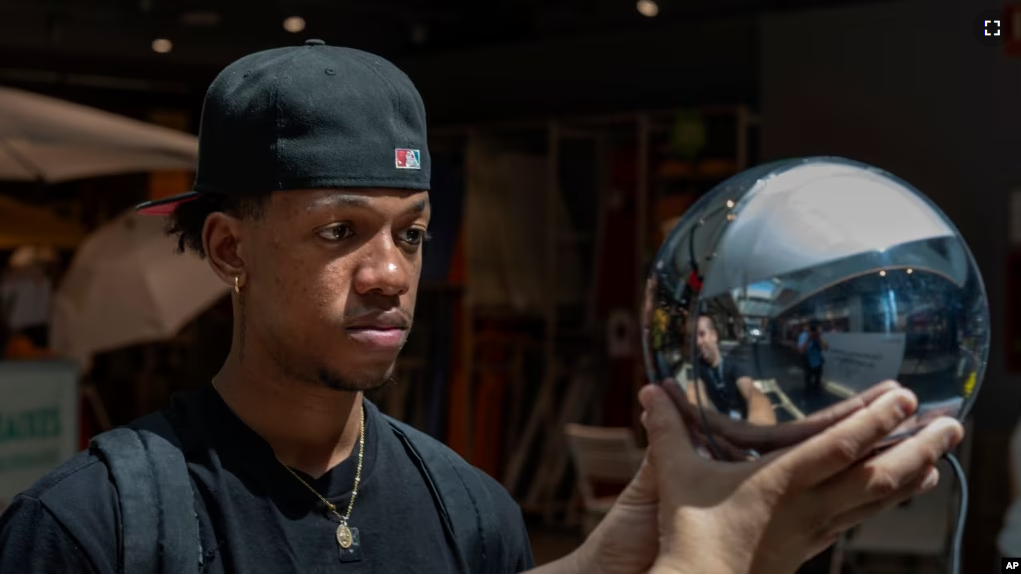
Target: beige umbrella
<point>23,224</point>
<point>127,286</point>
<point>51,140</point>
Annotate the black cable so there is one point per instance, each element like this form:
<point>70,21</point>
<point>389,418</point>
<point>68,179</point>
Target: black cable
<point>962,514</point>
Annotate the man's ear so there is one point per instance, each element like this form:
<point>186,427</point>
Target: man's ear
<point>222,239</point>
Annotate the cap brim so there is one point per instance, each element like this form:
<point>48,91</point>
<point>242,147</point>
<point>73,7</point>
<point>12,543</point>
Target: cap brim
<point>165,206</point>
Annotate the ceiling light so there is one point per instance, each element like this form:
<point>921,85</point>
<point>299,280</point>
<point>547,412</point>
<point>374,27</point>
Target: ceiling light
<point>294,24</point>
<point>647,8</point>
<point>162,45</point>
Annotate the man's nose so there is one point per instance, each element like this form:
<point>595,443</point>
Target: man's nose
<point>383,268</point>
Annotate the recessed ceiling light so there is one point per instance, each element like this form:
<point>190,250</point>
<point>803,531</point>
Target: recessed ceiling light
<point>294,24</point>
<point>647,8</point>
<point>162,45</point>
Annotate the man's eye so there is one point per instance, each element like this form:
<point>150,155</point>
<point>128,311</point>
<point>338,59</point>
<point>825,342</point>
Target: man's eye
<point>336,232</point>
<point>416,236</point>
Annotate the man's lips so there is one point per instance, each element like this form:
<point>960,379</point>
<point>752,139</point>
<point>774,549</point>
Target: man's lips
<point>380,330</point>
<point>379,337</point>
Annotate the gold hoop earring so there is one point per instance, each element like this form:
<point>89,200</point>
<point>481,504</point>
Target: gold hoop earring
<point>237,285</point>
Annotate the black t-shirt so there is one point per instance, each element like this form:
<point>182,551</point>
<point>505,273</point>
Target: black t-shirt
<point>254,516</point>
<point>721,386</point>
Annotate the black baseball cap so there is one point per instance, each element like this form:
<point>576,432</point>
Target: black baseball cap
<point>311,116</point>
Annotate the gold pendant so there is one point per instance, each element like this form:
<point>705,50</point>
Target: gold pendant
<point>344,538</point>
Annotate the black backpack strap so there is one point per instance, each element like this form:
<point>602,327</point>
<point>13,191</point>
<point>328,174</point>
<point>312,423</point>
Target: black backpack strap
<point>159,527</point>
<point>460,495</point>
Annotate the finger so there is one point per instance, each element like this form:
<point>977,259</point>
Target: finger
<point>706,423</point>
<point>670,447</point>
<point>787,434</point>
<point>876,391</point>
<point>679,398</point>
<point>820,420</point>
<point>716,445</point>
<point>903,464</point>
<point>842,445</point>
<point>772,438</point>
<point>699,434</point>
<point>854,517</point>
<point>642,488</point>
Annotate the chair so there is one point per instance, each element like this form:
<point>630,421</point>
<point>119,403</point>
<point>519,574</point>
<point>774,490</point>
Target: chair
<point>601,455</point>
<point>919,529</point>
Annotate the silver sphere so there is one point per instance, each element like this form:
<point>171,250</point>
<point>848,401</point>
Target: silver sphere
<point>798,284</point>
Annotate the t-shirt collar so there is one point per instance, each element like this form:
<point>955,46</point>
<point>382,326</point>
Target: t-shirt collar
<point>244,452</point>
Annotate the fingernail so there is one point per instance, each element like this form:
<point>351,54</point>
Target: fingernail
<point>646,404</point>
<point>931,479</point>
<point>642,401</point>
<point>645,396</point>
<point>949,430</point>
<point>903,402</point>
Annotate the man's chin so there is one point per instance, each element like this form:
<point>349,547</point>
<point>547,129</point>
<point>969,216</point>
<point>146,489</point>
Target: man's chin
<point>367,380</point>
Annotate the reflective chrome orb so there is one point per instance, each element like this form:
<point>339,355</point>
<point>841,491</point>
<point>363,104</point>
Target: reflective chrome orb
<point>797,284</point>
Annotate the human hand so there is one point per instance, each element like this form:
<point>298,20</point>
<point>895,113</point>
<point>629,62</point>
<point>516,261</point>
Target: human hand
<point>774,513</point>
<point>735,437</point>
<point>627,539</point>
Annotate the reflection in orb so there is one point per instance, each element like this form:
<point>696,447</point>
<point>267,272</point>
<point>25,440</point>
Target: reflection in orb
<point>798,284</point>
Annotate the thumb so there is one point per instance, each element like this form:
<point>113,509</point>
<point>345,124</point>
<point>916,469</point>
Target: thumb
<point>670,448</point>
<point>643,489</point>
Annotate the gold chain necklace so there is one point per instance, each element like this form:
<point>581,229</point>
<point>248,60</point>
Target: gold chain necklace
<point>345,537</point>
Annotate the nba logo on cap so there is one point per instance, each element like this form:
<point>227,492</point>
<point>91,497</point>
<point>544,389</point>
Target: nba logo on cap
<point>408,159</point>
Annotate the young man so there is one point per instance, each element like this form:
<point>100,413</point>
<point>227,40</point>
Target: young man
<point>727,383</point>
<point>311,202</point>
<point>811,345</point>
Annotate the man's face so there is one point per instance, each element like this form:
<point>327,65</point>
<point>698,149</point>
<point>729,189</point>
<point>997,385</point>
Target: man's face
<point>706,338</point>
<point>331,280</point>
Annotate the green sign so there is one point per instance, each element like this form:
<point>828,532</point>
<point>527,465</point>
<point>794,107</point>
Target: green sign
<point>41,423</point>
